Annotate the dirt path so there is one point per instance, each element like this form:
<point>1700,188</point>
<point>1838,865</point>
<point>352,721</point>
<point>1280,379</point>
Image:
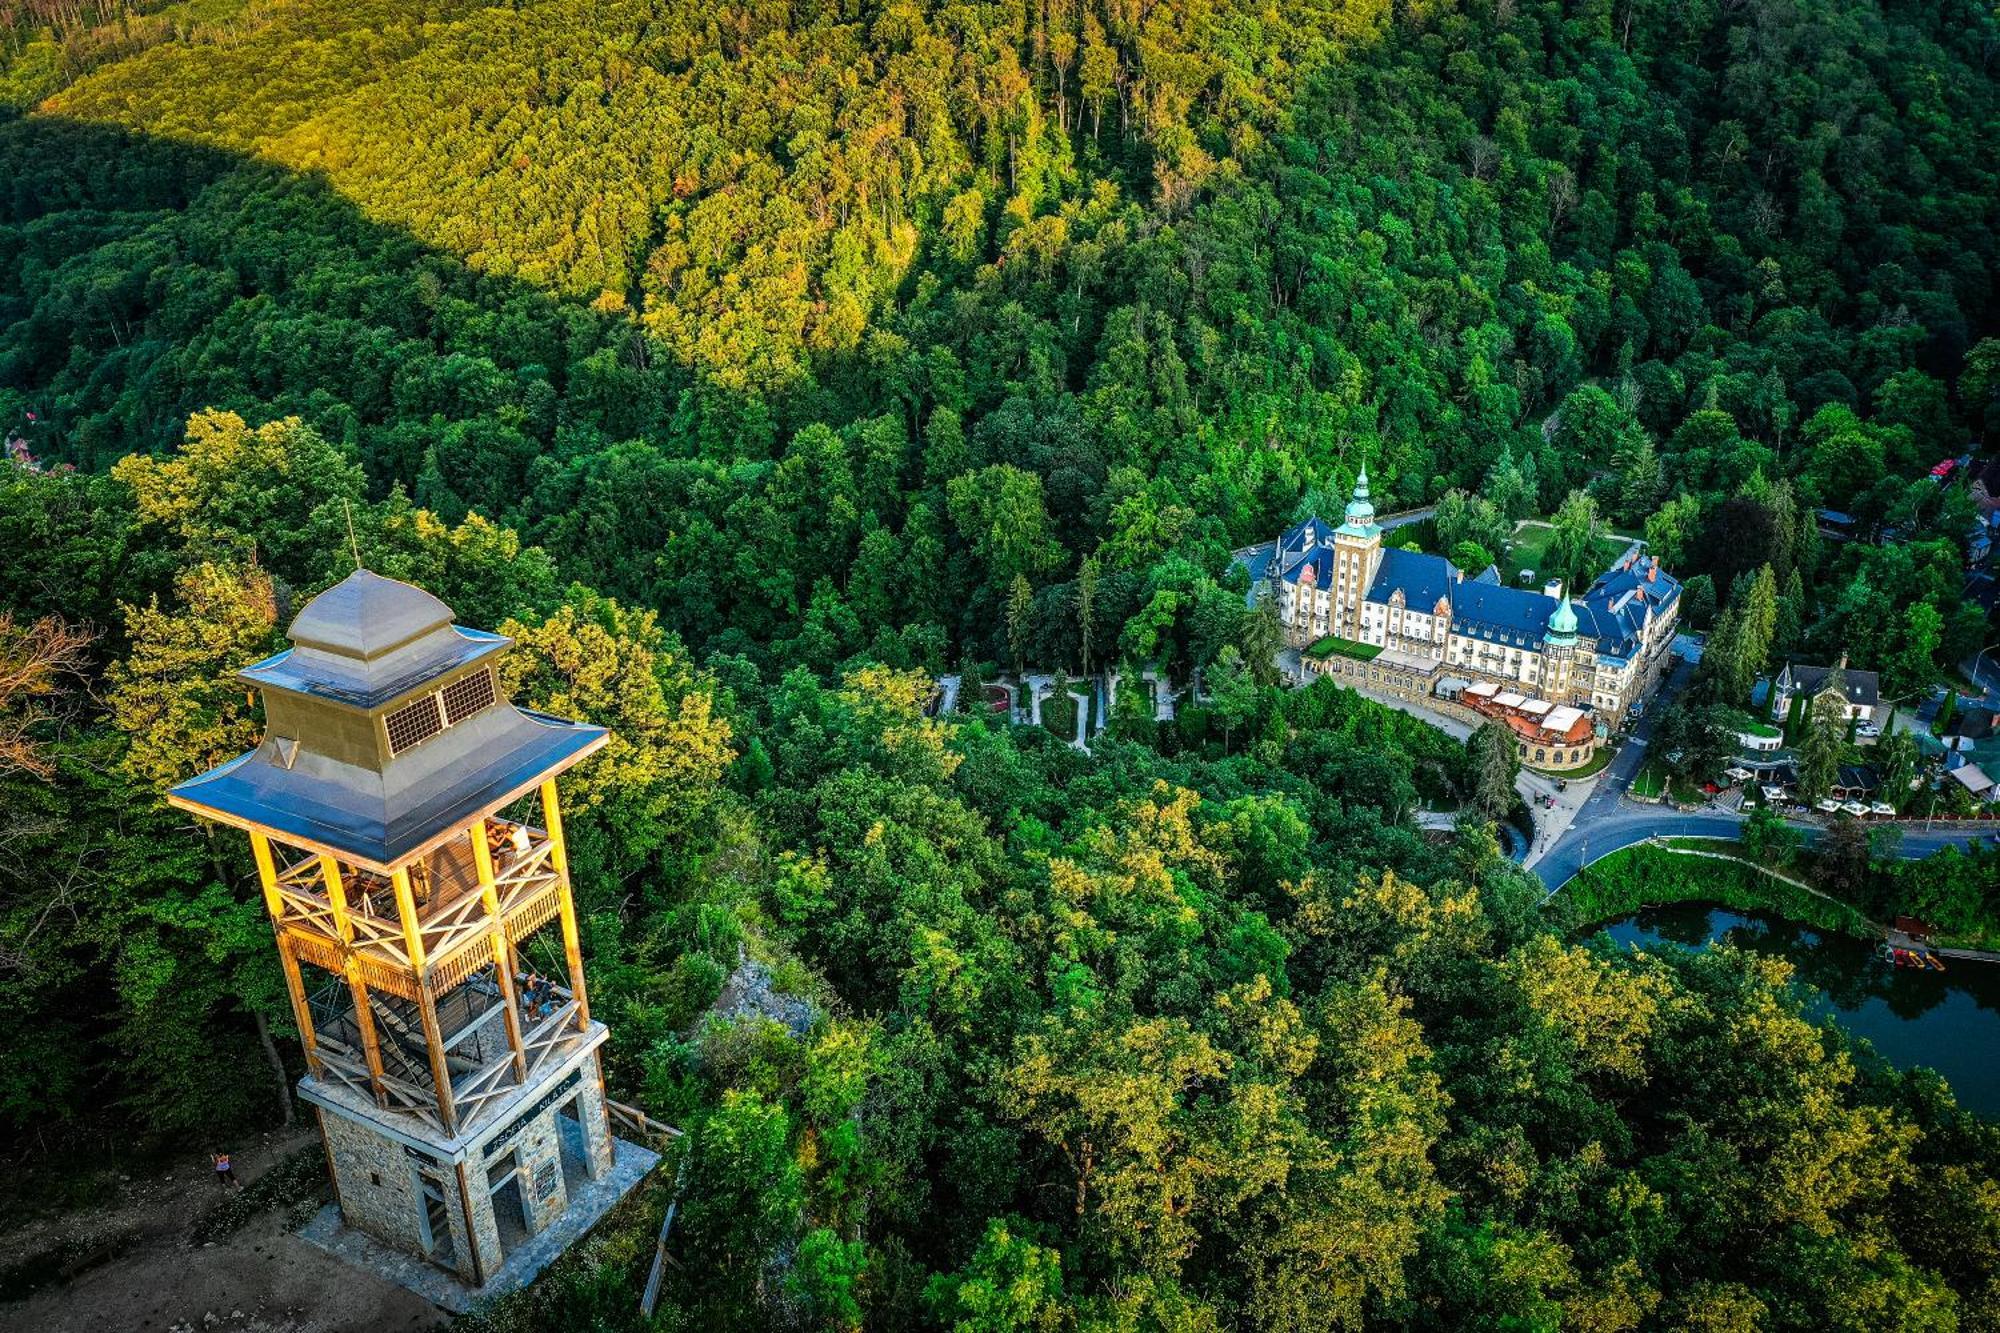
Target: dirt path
<point>258,1279</point>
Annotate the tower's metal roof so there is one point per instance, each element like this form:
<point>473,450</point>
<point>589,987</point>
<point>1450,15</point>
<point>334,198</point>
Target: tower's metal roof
<point>377,819</point>
<point>365,616</point>
<point>368,639</point>
<point>323,777</point>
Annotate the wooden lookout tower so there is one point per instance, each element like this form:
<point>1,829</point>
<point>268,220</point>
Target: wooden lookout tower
<point>405,824</point>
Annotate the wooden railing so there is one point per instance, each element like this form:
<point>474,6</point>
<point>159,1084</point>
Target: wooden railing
<point>453,929</point>
<point>545,1039</point>
<point>550,1034</point>
<point>343,1066</point>
<point>634,1121</point>
<point>495,1080</point>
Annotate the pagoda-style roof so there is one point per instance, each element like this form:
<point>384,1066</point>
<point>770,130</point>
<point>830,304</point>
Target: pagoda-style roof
<point>378,820</point>
<point>368,640</point>
<point>366,616</point>
<point>385,731</point>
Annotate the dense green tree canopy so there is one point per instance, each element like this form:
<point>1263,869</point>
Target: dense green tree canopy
<point>753,365</point>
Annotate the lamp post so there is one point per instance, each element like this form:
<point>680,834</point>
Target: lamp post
<point>1976,658</point>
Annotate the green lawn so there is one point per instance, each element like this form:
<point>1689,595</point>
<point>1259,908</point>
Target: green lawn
<point>1596,765</point>
<point>1531,544</point>
<point>1651,781</point>
<point>1646,876</point>
<point>1751,725</point>
<point>1059,713</point>
<point>1333,645</point>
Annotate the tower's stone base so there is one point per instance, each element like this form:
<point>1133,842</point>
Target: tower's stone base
<point>587,1206</point>
<point>474,1212</point>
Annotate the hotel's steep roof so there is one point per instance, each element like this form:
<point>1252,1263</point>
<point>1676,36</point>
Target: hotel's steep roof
<point>1612,612</point>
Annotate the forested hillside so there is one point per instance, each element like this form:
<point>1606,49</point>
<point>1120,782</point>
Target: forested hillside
<point>748,362</point>
<point>1135,278</point>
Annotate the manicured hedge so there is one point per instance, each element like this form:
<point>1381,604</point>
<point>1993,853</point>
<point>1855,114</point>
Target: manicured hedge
<point>1648,876</point>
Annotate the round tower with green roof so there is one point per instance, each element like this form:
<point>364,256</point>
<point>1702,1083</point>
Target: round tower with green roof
<point>1357,553</point>
<point>1559,651</point>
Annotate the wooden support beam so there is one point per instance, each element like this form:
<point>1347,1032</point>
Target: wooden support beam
<point>565,905</point>
<point>336,897</point>
<point>503,962</point>
<point>295,986</point>
<point>406,912</point>
<point>301,1012</point>
<point>364,1016</point>
<point>440,1071</point>
<point>267,875</point>
<point>471,1232</point>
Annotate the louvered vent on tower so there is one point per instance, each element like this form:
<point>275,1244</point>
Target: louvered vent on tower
<point>413,723</point>
<point>466,696</point>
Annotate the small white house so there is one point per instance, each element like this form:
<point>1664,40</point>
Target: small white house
<point>1861,691</point>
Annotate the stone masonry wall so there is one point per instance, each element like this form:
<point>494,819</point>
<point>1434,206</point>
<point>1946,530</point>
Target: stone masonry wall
<point>540,1155</point>
<point>485,1227</point>
<point>378,1189</point>
<point>596,1129</point>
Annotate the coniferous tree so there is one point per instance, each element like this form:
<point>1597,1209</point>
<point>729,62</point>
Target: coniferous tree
<point>1824,744</point>
<point>1757,628</point>
<point>1496,762</point>
<point>1020,621</point>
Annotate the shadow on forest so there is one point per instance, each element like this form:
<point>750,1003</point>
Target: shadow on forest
<point>146,279</point>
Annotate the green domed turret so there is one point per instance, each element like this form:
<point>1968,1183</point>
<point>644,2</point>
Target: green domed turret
<point>1562,625</point>
<point>1360,510</point>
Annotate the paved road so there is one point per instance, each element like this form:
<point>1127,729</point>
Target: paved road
<point>1632,823</point>
<point>1607,797</point>
<point>1984,670</point>
<point>1608,821</point>
<point>1390,522</point>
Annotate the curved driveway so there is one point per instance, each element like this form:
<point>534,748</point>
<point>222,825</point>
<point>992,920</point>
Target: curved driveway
<point>1628,824</point>
<point>1606,822</point>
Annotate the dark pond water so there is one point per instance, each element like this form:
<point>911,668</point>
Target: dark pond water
<point>1948,1021</point>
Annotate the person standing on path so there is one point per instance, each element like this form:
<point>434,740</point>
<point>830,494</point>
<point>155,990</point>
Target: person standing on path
<point>224,1175</point>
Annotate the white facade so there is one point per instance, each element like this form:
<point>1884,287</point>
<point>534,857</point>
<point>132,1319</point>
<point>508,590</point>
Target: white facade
<point>1604,652</point>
